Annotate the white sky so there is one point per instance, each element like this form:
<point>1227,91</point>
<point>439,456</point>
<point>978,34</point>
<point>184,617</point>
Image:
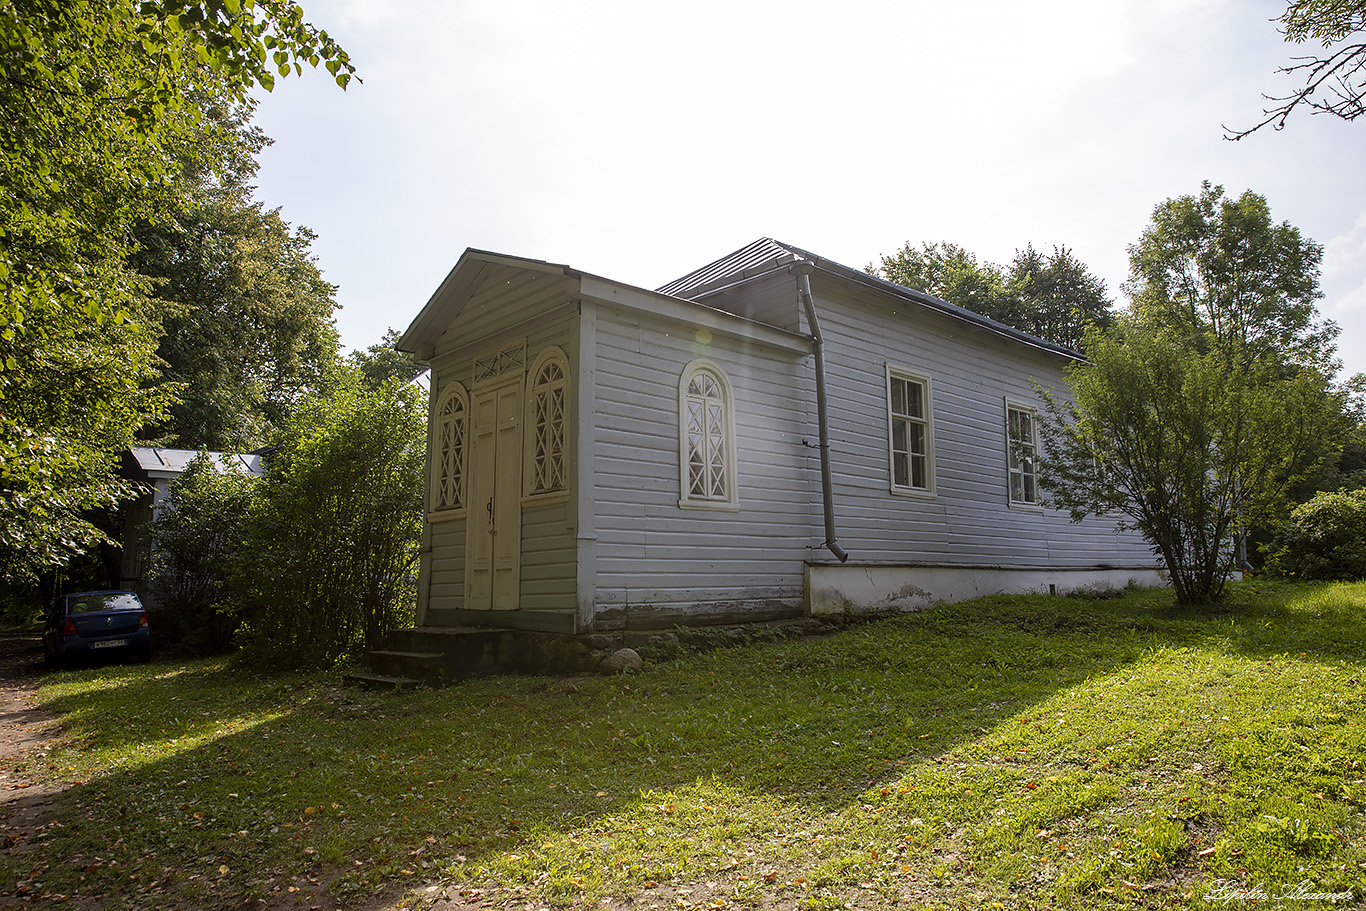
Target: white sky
<point>639,141</point>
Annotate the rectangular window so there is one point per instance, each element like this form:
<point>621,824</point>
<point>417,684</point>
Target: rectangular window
<point>910,437</point>
<point>1023,459</point>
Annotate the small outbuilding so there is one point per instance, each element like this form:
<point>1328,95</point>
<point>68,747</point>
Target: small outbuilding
<point>770,435</point>
<point>156,468</point>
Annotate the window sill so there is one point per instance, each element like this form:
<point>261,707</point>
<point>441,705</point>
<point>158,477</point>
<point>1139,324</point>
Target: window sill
<point>712,505</point>
<point>549,498</point>
<point>1027,507</point>
<point>913,493</point>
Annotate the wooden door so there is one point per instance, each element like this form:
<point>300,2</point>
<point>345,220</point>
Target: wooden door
<point>494,529</point>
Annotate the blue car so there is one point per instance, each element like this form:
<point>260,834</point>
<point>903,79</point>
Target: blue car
<point>91,624</point>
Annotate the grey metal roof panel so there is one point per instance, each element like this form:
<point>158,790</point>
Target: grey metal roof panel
<point>760,256</point>
<point>766,254</point>
<point>175,461</point>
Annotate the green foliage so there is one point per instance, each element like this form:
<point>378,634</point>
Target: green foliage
<point>1324,539</point>
<point>1053,297</point>
<point>383,362</point>
<point>333,540</point>
<point>197,545</point>
<point>1223,276</point>
<point>1195,412</point>
<point>950,273</point>
<point>100,106</point>
<point>70,400</point>
<point>246,313</point>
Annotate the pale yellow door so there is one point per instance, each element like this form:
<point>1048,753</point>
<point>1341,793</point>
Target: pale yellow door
<point>494,532</point>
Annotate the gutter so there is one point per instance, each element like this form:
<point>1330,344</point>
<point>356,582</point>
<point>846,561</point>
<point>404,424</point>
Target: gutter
<point>803,272</point>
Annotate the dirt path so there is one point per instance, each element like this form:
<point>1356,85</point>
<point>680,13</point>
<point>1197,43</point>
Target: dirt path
<point>24,732</point>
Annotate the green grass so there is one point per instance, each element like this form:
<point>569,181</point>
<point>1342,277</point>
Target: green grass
<point>1011,752</point>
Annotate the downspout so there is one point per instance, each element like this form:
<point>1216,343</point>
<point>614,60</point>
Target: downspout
<point>803,273</point>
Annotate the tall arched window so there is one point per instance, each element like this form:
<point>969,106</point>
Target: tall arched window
<point>707,438</point>
<point>448,469</point>
<point>548,395</point>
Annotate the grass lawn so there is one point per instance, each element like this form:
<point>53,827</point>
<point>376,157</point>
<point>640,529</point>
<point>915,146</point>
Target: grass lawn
<point>1008,752</point>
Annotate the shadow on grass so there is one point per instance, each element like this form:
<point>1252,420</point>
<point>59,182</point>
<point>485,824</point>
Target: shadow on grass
<point>216,782</point>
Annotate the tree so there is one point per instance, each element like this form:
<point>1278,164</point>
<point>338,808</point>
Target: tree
<point>100,102</point>
<point>1193,414</point>
<point>247,316</point>
<point>382,362</point>
<point>1219,272</point>
<point>70,398</point>
<point>1334,83</point>
<point>952,274</point>
<point>198,546</point>
<point>334,539</point>
<point>1057,296</point>
<point>1053,297</point>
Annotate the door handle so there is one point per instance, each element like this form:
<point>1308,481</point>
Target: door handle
<point>490,509</point>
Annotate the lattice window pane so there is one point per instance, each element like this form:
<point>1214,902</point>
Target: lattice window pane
<point>451,453</point>
<point>549,398</point>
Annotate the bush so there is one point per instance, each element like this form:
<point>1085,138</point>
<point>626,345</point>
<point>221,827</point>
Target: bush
<point>333,540</point>
<point>197,547</point>
<point>1324,539</point>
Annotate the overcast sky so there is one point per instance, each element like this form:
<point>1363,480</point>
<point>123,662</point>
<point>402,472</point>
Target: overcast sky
<point>639,141</point>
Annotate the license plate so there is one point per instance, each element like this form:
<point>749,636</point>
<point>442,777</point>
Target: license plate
<point>109,643</point>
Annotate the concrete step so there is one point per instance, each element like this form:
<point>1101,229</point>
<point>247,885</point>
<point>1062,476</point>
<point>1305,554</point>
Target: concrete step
<point>405,663</point>
<point>379,682</point>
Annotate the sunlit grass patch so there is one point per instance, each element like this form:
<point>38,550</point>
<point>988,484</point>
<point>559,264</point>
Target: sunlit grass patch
<point>1020,752</point>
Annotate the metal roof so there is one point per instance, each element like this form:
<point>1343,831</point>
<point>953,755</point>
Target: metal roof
<point>154,459</point>
<point>766,254</point>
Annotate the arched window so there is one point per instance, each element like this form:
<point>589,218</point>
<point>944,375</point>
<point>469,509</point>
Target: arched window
<point>548,395</point>
<point>707,438</point>
<point>448,469</point>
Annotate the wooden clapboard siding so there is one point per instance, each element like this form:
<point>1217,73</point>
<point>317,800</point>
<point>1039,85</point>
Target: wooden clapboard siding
<point>650,551</point>
<point>971,372</point>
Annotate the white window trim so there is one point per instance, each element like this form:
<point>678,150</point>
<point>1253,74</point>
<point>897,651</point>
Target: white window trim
<point>558,494</point>
<point>928,492</point>
<point>732,501</point>
<point>1012,404</point>
<point>438,513</point>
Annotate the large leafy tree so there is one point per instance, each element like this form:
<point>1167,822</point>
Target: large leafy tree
<point>100,104</point>
<point>1051,296</point>
<point>1210,397</point>
<point>1334,80</point>
<point>246,314</point>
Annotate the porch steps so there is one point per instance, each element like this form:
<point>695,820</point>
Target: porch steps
<point>441,655</point>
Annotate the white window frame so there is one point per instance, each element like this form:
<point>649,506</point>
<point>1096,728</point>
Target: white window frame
<point>531,429</point>
<point>729,499</point>
<point>1025,472</point>
<point>452,394</point>
<point>901,374</point>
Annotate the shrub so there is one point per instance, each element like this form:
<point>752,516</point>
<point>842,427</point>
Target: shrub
<point>1324,539</point>
<point>333,540</point>
<point>197,546</point>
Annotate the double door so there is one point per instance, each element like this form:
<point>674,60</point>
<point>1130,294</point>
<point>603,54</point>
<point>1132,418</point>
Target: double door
<point>493,543</point>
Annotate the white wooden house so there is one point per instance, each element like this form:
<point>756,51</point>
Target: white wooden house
<point>607,457</point>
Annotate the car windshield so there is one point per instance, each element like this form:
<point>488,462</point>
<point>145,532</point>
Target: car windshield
<point>97,601</point>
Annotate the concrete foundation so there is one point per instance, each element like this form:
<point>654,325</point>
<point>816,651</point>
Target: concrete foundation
<point>854,588</point>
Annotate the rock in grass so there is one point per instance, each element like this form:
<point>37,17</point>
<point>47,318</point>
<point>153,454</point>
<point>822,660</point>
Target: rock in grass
<point>622,661</point>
